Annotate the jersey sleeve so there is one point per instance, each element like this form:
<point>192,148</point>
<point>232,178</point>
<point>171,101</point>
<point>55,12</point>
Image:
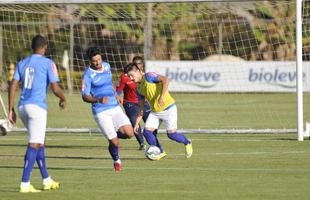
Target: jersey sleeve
<point>151,77</point>
<point>52,73</point>
<point>86,84</point>
<point>16,75</point>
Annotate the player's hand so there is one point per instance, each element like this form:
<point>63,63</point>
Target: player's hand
<point>136,128</point>
<point>161,101</point>
<point>12,116</point>
<point>104,100</point>
<point>62,104</point>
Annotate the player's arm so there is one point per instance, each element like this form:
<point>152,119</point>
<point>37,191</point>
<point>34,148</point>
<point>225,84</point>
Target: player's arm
<point>12,91</point>
<point>140,112</point>
<point>59,93</point>
<point>91,99</point>
<point>120,88</point>
<point>165,82</point>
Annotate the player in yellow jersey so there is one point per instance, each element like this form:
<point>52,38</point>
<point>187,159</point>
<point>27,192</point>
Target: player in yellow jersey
<point>154,88</point>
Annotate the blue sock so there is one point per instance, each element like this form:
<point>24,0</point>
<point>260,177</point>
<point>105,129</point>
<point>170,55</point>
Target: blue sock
<point>41,162</point>
<point>121,135</point>
<point>139,137</point>
<point>150,137</point>
<point>157,141</point>
<point>178,137</point>
<point>30,158</point>
<point>113,151</point>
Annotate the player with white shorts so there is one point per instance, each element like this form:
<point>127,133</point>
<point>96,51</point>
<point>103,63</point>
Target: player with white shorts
<point>98,89</point>
<point>35,72</point>
<point>154,88</point>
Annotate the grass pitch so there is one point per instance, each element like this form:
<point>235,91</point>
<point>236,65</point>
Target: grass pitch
<point>222,167</point>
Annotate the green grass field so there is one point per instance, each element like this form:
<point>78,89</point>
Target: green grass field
<point>222,167</point>
<point>201,111</point>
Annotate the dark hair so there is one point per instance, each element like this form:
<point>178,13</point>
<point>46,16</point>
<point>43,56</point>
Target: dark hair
<point>131,67</point>
<point>137,58</point>
<point>126,67</point>
<point>38,42</point>
<point>92,51</point>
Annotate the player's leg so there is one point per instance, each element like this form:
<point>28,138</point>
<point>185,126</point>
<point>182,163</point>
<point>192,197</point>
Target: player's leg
<point>170,120</point>
<point>122,123</point>
<point>37,126</point>
<point>31,151</point>
<point>105,124</point>
<point>131,110</point>
<point>151,124</point>
<point>146,113</point>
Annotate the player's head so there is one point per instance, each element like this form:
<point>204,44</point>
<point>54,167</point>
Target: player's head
<point>139,61</point>
<point>127,67</point>
<point>134,72</point>
<point>93,54</point>
<point>39,43</point>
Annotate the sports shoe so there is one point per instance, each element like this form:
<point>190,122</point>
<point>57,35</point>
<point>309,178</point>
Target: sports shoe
<point>142,147</point>
<point>188,150</point>
<point>162,155</point>
<point>117,166</point>
<point>28,189</point>
<point>52,185</point>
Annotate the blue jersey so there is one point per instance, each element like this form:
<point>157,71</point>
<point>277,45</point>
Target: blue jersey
<point>99,84</point>
<point>35,72</point>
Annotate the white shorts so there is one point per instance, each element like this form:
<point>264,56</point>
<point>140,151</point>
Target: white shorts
<point>34,119</point>
<point>168,117</point>
<point>109,121</point>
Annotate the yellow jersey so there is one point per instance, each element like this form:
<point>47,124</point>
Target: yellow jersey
<point>151,89</point>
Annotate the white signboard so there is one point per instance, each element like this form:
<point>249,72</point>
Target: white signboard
<point>202,76</point>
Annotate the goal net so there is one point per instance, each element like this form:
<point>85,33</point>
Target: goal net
<point>231,65</point>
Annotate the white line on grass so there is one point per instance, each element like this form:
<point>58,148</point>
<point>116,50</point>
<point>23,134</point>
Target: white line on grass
<point>13,156</point>
<point>74,167</point>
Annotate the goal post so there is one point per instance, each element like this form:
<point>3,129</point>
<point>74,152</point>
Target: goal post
<point>234,66</point>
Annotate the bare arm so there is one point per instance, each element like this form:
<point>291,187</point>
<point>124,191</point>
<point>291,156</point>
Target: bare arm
<point>59,93</point>
<point>91,99</point>
<point>140,114</point>
<point>12,91</point>
<point>165,82</point>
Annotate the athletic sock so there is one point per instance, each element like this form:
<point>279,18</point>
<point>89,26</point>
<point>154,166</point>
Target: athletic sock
<point>41,162</point>
<point>139,137</point>
<point>114,152</point>
<point>30,157</point>
<point>150,137</point>
<point>178,137</point>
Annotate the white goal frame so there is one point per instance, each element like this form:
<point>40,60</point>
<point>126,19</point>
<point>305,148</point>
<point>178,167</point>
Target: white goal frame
<point>299,93</point>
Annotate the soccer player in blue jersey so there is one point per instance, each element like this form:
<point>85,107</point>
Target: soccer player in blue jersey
<point>98,89</point>
<point>35,73</point>
<point>154,88</point>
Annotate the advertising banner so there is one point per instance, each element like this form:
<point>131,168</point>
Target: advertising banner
<point>202,76</point>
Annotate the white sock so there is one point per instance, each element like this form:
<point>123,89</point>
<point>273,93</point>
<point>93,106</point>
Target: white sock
<point>24,184</point>
<point>47,180</point>
<point>118,161</point>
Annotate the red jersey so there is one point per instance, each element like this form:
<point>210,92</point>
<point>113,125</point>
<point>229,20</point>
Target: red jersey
<point>129,87</point>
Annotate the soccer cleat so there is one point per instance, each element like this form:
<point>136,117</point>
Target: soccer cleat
<point>52,185</point>
<point>162,155</point>
<point>28,189</point>
<point>188,150</point>
<point>142,147</point>
<point>117,166</point>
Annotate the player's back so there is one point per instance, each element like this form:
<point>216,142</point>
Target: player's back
<point>35,72</point>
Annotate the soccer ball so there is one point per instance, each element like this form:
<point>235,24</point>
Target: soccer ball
<point>152,152</point>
